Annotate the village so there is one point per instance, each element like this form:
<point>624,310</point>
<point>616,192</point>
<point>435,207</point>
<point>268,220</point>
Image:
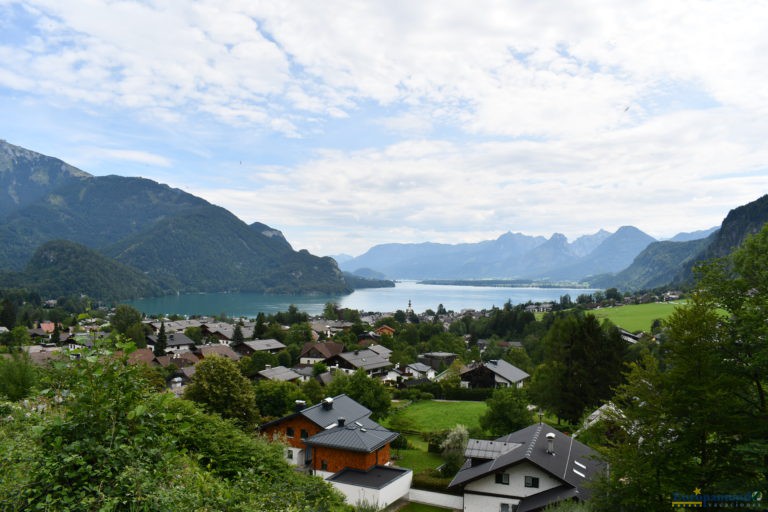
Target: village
<point>335,437</point>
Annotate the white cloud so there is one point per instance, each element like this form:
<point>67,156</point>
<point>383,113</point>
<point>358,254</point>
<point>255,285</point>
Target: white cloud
<point>498,114</point>
<point>680,174</point>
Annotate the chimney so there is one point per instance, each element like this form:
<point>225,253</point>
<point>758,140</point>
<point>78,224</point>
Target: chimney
<point>267,366</point>
<point>340,422</point>
<point>328,403</point>
<point>551,443</point>
<point>299,405</point>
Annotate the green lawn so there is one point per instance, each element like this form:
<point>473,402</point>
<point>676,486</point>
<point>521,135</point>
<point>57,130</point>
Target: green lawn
<point>433,416</point>
<point>637,317</point>
<point>417,459</point>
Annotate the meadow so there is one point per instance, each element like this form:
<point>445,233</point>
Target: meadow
<point>637,317</point>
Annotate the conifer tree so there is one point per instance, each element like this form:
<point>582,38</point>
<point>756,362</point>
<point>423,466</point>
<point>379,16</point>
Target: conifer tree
<point>162,341</point>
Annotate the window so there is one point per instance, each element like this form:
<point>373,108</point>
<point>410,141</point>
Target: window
<point>504,507</point>
<point>532,481</point>
<point>289,432</point>
<point>304,434</point>
<point>289,454</point>
<point>324,465</point>
<point>502,478</point>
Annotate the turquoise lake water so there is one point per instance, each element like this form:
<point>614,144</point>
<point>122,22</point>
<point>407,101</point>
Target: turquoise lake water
<point>422,297</point>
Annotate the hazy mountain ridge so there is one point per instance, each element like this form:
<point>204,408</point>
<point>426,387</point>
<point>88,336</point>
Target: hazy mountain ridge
<point>180,241</point>
<point>511,256</point>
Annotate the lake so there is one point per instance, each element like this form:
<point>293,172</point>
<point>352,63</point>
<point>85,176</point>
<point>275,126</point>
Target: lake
<point>422,297</point>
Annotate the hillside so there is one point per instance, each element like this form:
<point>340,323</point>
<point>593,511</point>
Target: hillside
<point>654,267</point>
<point>179,241</point>
<point>740,222</point>
<point>62,268</point>
<point>672,263</point>
<point>26,176</point>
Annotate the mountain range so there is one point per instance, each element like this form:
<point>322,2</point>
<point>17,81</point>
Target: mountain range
<point>153,238</point>
<point>65,231</point>
<point>511,256</point>
<point>628,259</point>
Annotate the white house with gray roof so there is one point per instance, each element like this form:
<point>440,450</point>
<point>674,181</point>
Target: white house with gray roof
<point>526,471</point>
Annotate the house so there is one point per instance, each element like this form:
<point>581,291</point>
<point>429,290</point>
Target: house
<point>525,471</point>
<point>421,371</point>
<point>224,332</point>
<point>142,355</point>
<point>174,342</point>
<point>385,330</point>
<point>174,325</point>
<point>629,337</point>
<point>370,361</point>
<point>269,345</point>
<point>280,373</point>
<point>337,440</point>
<point>438,360</point>
<point>313,353</point>
<point>495,373</point>
<point>218,350</point>
<point>180,359</point>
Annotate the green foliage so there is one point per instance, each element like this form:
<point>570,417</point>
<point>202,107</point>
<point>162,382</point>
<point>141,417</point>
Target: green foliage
<point>367,391</point>
<point>251,365</point>
<point>695,416</point>
<point>507,412</point>
<point>18,376</point>
<point>162,341</point>
<point>220,388</point>
<point>275,399</point>
<point>195,334</point>
<point>61,267</point>
<point>125,317</point>
<point>584,361</point>
<point>100,439</point>
<point>453,447</point>
<point>8,311</point>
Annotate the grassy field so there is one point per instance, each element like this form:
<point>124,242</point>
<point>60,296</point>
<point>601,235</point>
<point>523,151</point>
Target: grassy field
<point>637,317</point>
<point>433,415</point>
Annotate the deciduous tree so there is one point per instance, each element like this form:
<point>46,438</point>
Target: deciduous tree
<point>219,387</point>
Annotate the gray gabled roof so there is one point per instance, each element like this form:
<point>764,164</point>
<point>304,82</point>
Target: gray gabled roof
<point>419,367</point>
<point>363,435</point>
<point>381,350</point>
<point>280,373</point>
<point>259,345</point>
<point>366,359</point>
<point>326,414</point>
<point>573,463</point>
<point>503,369</point>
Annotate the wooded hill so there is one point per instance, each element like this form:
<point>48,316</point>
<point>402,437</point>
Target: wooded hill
<point>179,242</point>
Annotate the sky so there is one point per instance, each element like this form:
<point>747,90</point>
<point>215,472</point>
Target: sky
<point>347,124</point>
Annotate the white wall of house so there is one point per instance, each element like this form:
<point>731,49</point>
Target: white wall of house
<point>478,503</point>
<point>294,456</point>
<point>516,486</point>
<point>356,495</point>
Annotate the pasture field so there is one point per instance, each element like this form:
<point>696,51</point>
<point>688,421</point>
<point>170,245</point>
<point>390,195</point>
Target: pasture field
<point>436,415</point>
<point>636,317</point>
